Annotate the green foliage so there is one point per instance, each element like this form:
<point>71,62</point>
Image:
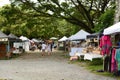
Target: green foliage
<point>47,18</point>
<point>28,23</point>
<point>96,61</point>
<point>105,20</point>
<point>83,13</point>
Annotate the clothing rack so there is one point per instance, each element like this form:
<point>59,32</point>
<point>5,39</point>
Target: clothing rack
<point>115,70</point>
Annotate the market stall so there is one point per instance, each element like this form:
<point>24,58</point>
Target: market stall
<point>80,35</point>
<point>112,29</point>
<point>16,43</point>
<point>91,49</point>
<point>113,32</point>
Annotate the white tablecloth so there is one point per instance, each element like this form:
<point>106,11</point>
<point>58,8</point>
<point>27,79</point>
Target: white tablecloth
<point>75,50</point>
<point>16,52</point>
<point>90,56</point>
<point>80,54</point>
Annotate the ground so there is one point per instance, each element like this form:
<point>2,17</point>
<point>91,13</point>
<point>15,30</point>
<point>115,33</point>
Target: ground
<point>33,66</point>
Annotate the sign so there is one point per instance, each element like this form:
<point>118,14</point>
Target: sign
<point>3,39</point>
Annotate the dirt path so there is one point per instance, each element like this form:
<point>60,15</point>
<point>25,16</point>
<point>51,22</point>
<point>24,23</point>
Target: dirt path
<point>32,66</point>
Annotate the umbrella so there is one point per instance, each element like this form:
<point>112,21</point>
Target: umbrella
<point>53,38</point>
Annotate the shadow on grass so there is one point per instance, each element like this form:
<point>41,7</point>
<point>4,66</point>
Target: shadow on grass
<point>94,66</point>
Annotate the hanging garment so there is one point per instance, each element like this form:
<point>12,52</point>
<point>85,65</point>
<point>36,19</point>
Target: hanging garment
<point>106,63</point>
<point>110,59</point>
<point>105,44</point>
<point>117,57</point>
<point>113,61</point>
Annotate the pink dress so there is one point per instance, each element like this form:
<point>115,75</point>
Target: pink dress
<point>105,44</point>
<point>113,61</point>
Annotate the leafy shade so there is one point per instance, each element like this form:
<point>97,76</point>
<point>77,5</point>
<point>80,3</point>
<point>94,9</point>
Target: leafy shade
<point>21,21</point>
<point>105,20</point>
<point>83,13</point>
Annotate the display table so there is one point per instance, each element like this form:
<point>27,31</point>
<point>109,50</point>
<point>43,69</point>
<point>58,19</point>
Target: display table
<point>17,51</point>
<point>91,56</point>
<point>75,50</point>
<point>87,56</point>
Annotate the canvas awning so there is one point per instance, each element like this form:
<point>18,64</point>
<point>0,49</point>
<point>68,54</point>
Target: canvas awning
<point>12,36</point>
<point>23,38</point>
<point>3,35</point>
<point>112,29</point>
<point>64,38</point>
<point>36,40</point>
<point>79,35</point>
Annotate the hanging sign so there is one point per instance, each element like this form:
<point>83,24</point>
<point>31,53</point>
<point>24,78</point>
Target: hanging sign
<point>3,39</point>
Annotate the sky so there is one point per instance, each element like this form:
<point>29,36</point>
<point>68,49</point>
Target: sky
<point>4,2</point>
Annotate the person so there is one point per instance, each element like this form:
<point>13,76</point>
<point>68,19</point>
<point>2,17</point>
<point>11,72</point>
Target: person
<point>40,46</point>
<point>49,49</point>
<point>43,48</point>
<point>52,45</point>
<point>33,47</point>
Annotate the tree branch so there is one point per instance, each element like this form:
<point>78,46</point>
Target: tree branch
<point>89,19</point>
<point>91,5</point>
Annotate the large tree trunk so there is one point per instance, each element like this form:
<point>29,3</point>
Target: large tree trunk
<point>117,12</point>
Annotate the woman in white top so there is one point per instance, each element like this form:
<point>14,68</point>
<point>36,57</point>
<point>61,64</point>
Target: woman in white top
<point>43,49</point>
<point>49,48</point>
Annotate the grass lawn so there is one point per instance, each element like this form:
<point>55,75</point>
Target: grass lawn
<point>93,66</point>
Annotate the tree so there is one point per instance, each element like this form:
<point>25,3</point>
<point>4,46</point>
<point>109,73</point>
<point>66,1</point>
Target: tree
<point>117,11</point>
<point>105,20</point>
<point>21,21</point>
<point>84,13</point>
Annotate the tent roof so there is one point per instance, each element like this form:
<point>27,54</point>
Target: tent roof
<point>112,29</point>
<point>36,40</point>
<point>79,35</point>
<point>12,36</point>
<point>3,35</point>
<point>23,38</point>
<point>94,35</point>
<point>70,38</point>
<point>64,38</point>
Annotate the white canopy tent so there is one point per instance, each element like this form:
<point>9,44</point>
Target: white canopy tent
<point>23,38</point>
<point>26,42</point>
<point>35,40</point>
<point>64,38</point>
<point>3,35</point>
<point>13,36</point>
<point>112,29</point>
<point>79,35</point>
<point>70,38</point>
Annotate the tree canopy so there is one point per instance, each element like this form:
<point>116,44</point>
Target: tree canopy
<point>47,18</point>
<point>20,21</point>
<point>83,13</point>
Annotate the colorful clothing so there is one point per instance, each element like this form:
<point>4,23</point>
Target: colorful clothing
<point>117,57</point>
<point>113,61</point>
<point>105,44</point>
